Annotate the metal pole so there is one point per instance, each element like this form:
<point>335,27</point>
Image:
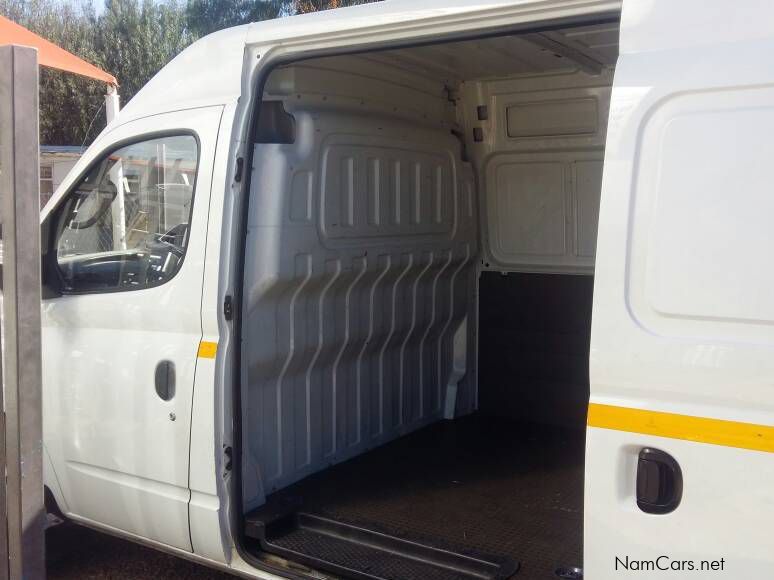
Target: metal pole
<point>3,484</point>
<point>20,214</point>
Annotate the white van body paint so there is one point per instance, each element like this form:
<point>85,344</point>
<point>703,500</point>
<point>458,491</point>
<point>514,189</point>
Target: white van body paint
<point>119,457</point>
<point>664,337</point>
<point>682,307</point>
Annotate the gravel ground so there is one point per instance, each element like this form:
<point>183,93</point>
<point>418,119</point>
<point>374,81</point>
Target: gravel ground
<point>74,552</point>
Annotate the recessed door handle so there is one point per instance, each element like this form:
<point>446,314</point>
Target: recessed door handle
<point>165,380</point>
<point>659,482</point>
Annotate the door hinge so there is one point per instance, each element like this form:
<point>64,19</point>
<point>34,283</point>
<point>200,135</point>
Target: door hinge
<point>228,308</point>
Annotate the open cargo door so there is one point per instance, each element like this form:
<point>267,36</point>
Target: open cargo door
<point>682,349</point>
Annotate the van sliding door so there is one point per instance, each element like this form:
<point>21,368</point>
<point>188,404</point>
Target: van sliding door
<point>679,469</point>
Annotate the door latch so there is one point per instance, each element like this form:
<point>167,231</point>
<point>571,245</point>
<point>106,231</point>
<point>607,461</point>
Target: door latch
<point>240,163</point>
<point>659,482</point>
<point>165,380</point>
<point>228,308</point>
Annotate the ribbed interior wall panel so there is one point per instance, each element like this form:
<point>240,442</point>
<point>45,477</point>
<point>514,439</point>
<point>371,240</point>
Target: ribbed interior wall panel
<point>361,251</point>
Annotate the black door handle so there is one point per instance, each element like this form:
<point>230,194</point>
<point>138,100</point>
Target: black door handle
<point>165,380</point>
<point>659,482</point>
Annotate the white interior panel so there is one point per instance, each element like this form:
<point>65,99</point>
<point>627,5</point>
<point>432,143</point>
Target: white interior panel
<point>549,118</point>
<point>587,181</point>
<point>389,190</point>
<point>591,48</point>
<point>360,264</point>
<point>540,166</point>
<point>542,212</point>
<point>530,209</point>
<point>538,93</point>
<point>598,39</point>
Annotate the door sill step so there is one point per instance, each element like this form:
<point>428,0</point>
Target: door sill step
<point>357,552</point>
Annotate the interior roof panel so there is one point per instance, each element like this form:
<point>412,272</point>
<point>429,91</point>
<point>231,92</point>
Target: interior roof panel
<point>586,47</point>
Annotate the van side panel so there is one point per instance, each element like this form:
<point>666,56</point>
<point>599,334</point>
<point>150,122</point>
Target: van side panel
<point>682,348</point>
<point>359,268</point>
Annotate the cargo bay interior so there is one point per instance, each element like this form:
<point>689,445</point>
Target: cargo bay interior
<point>417,306</point>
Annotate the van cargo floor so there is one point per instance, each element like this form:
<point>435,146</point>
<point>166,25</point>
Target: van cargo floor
<point>476,485</point>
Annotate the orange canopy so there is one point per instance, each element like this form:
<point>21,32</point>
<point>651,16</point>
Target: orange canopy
<point>49,54</point>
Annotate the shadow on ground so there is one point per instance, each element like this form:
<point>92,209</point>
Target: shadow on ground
<point>74,552</point>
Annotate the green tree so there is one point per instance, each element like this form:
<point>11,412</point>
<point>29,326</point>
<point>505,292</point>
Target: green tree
<point>132,40</point>
<point>304,6</point>
<point>206,16</point>
<point>68,103</point>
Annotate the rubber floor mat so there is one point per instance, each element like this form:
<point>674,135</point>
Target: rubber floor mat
<point>478,483</point>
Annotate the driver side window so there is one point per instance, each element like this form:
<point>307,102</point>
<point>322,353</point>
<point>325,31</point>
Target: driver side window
<point>125,226</point>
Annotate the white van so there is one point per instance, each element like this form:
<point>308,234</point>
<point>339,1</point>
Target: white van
<point>319,302</point>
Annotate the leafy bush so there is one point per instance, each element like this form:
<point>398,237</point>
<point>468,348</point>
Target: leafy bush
<point>132,40</point>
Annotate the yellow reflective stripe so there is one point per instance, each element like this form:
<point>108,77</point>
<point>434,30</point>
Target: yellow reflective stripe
<point>207,349</point>
<point>698,429</point>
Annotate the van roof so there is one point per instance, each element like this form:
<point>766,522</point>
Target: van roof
<point>209,72</point>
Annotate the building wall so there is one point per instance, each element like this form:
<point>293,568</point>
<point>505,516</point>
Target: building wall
<point>54,167</point>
